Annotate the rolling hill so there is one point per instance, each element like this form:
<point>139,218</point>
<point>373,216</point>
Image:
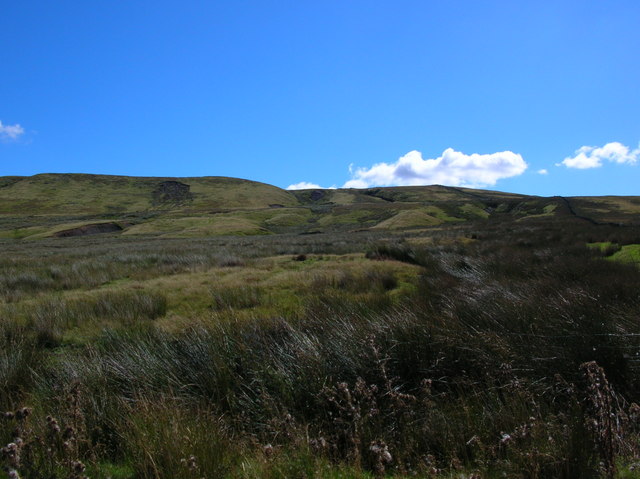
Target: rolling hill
<point>50,205</point>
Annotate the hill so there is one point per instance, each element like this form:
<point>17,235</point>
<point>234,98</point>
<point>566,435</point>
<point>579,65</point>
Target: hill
<point>58,205</point>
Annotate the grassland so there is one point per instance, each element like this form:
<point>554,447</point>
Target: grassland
<point>53,204</point>
<point>101,194</point>
<point>419,333</point>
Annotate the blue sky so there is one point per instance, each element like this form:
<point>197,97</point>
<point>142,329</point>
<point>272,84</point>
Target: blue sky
<point>333,93</point>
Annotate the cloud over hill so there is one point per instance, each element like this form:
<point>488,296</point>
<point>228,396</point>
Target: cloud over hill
<point>452,168</point>
<point>593,157</point>
<point>304,185</point>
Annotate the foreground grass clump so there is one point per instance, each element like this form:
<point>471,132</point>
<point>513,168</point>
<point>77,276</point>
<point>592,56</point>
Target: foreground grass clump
<point>510,350</point>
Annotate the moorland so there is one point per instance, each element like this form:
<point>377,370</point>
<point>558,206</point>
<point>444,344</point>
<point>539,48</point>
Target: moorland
<point>222,328</point>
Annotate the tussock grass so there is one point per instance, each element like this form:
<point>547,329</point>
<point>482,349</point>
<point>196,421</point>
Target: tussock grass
<point>169,439</point>
<point>19,359</point>
<point>513,353</point>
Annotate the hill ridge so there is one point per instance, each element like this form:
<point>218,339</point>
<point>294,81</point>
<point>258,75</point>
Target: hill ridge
<point>61,204</point>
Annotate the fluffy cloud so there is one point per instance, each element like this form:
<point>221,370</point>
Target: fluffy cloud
<point>593,157</point>
<point>453,168</point>
<point>10,132</point>
<point>304,185</point>
<point>543,171</point>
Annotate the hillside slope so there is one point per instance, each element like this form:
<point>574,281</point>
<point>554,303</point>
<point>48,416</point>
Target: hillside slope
<point>50,205</point>
<point>51,194</point>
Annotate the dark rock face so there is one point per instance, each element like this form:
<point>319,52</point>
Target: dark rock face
<point>172,192</point>
<point>89,230</point>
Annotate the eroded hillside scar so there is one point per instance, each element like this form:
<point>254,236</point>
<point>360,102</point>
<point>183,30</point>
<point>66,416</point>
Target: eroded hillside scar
<point>171,192</point>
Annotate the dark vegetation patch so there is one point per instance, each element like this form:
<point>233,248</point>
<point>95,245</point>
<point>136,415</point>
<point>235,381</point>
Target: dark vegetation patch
<point>9,180</point>
<point>398,251</point>
<point>171,192</point>
<point>92,229</point>
<point>614,211</point>
<point>316,195</point>
<point>309,197</point>
<point>380,193</point>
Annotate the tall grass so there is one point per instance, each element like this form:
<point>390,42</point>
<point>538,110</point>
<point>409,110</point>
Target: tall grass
<point>19,359</point>
<point>516,354</point>
<point>168,439</point>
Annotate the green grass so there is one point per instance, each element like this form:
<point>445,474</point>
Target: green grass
<point>111,471</point>
<point>22,233</point>
<point>278,286</point>
<point>628,254</point>
<point>288,218</point>
<point>474,211</point>
<point>197,227</point>
<point>602,245</point>
<point>101,194</point>
<point>38,206</point>
<point>409,219</point>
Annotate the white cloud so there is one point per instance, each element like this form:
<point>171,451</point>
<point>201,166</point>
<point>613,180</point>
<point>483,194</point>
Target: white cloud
<point>543,171</point>
<point>453,168</point>
<point>592,157</point>
<point>304,185</point>
<point>10,132</point>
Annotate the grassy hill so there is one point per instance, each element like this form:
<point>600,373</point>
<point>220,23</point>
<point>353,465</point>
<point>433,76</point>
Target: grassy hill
<point>50,205</point>
<point>50,194</point>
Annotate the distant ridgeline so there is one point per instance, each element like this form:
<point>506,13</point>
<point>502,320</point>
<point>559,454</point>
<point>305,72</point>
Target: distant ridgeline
<point>61,205</point>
